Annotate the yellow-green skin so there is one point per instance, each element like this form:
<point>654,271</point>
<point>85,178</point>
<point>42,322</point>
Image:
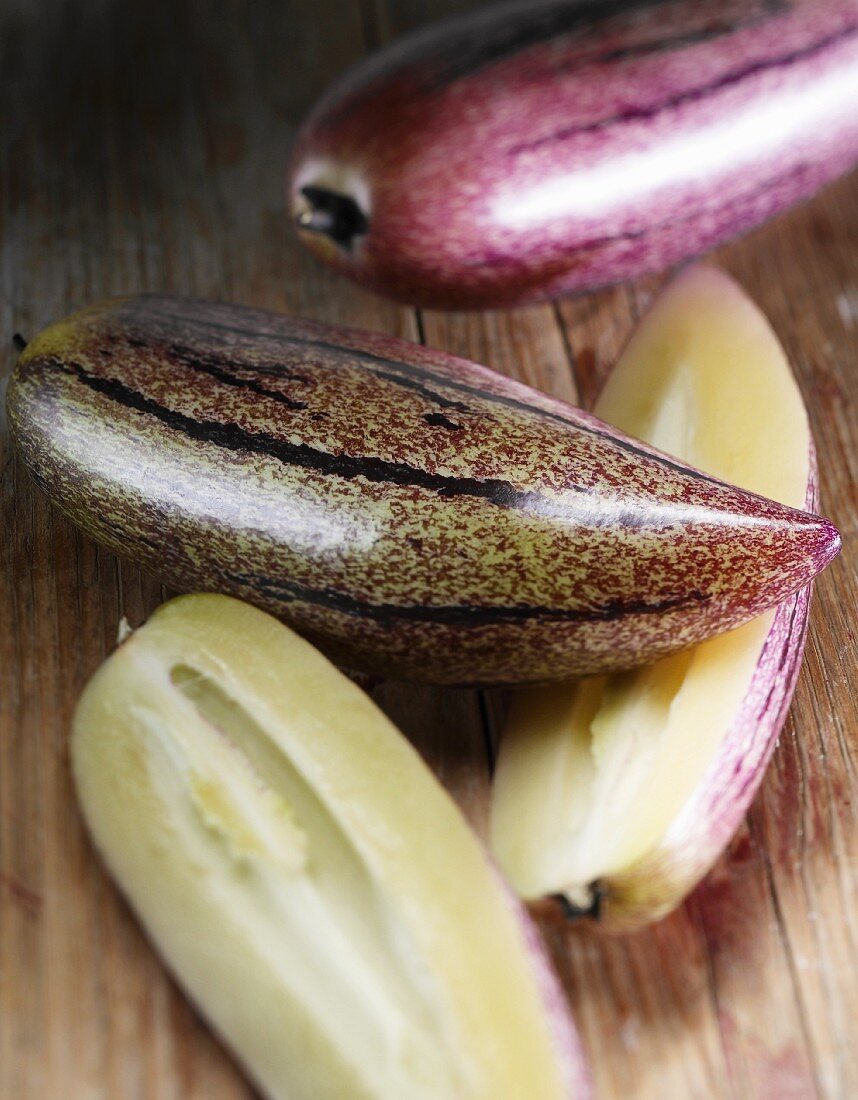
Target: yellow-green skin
<point>413,514</point>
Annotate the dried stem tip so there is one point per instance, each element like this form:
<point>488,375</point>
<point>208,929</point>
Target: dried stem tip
<point>336,215</point>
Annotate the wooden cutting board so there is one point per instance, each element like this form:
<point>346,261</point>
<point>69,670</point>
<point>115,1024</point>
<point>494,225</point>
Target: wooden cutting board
<point>144,147</point>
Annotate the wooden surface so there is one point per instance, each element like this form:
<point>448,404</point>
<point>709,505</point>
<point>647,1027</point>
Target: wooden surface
<point>144,147</point>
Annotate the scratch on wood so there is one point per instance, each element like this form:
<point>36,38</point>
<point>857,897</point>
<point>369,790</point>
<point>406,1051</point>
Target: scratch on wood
<point>29,900</point>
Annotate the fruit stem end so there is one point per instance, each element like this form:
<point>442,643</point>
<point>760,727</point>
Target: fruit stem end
<point>573,911</point>
<point>333,214</point>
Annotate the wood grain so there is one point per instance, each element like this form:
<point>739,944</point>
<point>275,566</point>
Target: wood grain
<point>144,150</point>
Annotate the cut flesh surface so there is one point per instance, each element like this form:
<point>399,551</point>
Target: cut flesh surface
<point>304,875</point>
<point>593,778</point>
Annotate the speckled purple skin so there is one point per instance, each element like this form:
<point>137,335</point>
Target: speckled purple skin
<point>413,514</point>
<point>540,148</point>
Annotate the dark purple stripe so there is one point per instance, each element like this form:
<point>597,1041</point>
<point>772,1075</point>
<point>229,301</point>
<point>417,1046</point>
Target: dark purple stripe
<point>693,95</point>
<point>406,372</point>
<point>480,42</point>
<point>460,614</point>
<point>233,437</point>
<point>207,364</point>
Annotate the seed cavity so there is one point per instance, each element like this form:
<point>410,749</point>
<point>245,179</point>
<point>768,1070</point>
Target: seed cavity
<point>233,800</point>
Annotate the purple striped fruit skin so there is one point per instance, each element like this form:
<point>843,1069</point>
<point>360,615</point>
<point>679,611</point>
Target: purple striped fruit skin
<point>413,514</point>
<point>534,149</point>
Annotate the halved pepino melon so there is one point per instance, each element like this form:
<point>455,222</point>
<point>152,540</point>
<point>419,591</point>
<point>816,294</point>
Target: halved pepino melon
<point>618,793</point>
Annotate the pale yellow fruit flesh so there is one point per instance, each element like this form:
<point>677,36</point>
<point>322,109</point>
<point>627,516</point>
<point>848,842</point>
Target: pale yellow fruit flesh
<point>591,776</point>
<point>302,872</point>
